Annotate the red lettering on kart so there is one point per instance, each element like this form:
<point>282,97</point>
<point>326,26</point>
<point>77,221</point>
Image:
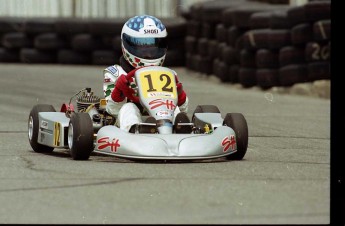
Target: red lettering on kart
<point>159,102</point>
<point>104,143</point>
<point>228,142</point>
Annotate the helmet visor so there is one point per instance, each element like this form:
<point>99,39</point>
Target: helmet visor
<point>146,48</point>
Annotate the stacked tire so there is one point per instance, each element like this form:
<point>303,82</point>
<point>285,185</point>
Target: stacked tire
<point>260,44</point>
<point>76,40</point>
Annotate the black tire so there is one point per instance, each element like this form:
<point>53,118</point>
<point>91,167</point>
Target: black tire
<point>193,28</point>
<point>230,55</point>
<point>233,73</point>
<point>296,15</point>
<point>247,58</point>
<point>233,33</point>
<point>80,136</point>
<point>222,71</point>
<point>191,44</point>
<point>206,65</point>
<point>35,26</point>
<point>31,55</point>
<point>279,20</point>
<point>260,20</point>
<point>221,33</point>
<point>301,34</point>
<point>175,58</point>
<point>208,30</point>
<point>205,109</point>
<point>68,56</point>
<point>71,26</point>
<point>278,38</point>
<point>9,55</point>
<point>182,118</point>
<point>267,78</point>
<point>291,55</point>
<point>16,40</point>
<point>266,58</point>
<point>293,74</point>
<point>104,57</point>
<point>33,127</point>
<point>238,123</point>
<point>256,39</point>
<point>317,10</point>
<point>202,46</point>
<point>176,27</point>
<point>319,71</point>
<point>247,77</point>
<point>317,51</point>
<point>105,26</point>
<point>86,43</point>
<point>322,30</point>
<point>50,41</point>
<point>11,24</point>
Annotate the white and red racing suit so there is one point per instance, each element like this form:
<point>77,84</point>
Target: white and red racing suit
<point>118,90</point>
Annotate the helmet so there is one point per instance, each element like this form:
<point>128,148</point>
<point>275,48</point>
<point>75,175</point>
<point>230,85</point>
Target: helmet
<point>143,41</point>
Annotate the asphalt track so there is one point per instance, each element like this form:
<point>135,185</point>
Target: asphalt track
<point>283,179</point>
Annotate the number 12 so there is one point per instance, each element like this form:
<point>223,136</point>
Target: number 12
<point>161,78</point>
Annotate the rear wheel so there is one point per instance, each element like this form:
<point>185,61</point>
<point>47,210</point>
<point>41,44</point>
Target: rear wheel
<point>238,123</point>
<point>80,136</point>
<point>33,127</point>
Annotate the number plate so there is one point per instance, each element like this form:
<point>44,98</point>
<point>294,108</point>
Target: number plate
<point>158,84</point>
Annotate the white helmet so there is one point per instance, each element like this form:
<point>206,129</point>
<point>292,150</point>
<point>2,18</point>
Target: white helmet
<point>143,40</point>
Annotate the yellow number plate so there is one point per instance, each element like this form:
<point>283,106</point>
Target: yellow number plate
<point>158,84</point>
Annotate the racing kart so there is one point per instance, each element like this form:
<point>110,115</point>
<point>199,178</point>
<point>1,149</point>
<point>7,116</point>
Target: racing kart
<point>165,133</point>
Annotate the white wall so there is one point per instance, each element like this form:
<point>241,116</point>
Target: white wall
<point>92,8</point>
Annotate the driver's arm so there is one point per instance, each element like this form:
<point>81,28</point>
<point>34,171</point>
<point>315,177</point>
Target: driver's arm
<point>182,96</point>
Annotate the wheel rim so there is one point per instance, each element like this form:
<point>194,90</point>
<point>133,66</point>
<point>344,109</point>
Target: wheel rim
<point>30,127</point>
<point>70,136</point>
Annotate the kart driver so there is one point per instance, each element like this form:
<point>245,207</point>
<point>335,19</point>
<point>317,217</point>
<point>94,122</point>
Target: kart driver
<point>143,42</point>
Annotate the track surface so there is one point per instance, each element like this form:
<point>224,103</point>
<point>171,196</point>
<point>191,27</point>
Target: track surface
<point>283,179</point>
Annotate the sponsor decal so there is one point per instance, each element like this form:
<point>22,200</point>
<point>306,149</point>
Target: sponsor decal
<point>159,102</point>
<point>44,124</point>
<point>107,80</point>
<point>105,142</point>
<point>160,94</point>
<point>42,137</point>
<point>163,113</point>
<point>229,142</point>
<point>112,69</point>
<point>151,31</point>
<point>57,133</point>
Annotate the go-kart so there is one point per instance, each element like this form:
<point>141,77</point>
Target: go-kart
<point>165,133</point>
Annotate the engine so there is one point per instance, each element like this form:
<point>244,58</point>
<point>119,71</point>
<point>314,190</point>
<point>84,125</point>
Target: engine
<point>95,107</point>
<point>85,100</point>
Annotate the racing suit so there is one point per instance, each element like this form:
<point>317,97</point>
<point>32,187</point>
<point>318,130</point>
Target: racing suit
<point>121,104</point>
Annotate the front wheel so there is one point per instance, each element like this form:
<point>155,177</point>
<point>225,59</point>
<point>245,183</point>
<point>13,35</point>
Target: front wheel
<point>80,136</point>
<point>238,123</point>
<point>33,127</point>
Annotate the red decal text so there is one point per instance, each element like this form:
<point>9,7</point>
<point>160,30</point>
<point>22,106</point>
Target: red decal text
<point>159,102</point>
<point>104,142</point>
<point>228,143</point>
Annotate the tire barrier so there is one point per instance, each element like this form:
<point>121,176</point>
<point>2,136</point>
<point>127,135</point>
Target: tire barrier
<point>265,43</point>
<point>77,40</point>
